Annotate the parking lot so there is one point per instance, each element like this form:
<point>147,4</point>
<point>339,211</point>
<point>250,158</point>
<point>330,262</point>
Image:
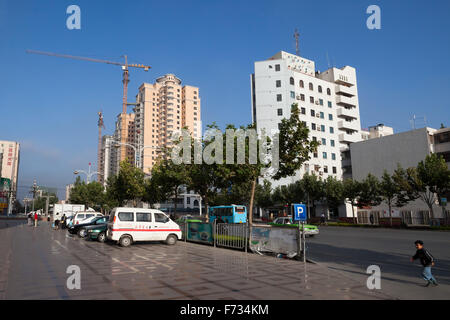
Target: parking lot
<point>34,262</point>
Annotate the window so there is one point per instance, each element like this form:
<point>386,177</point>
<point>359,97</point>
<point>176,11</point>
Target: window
<point>312,113</point>
<point>329,104</point>
<point>292,94</point>
<point>302,97</point>
<point>328,91</point>
<point>143,217</point>
<point>277,67</point>
<point>313,126</point>
<point>126,216</point>
<point>331,130</point>
<point>330,116</point>
<point>321,102</point>
<point>325,169</point>
<point>315,154</point>
<point>159,217</point>
<point>311,99</point>
<point>320,89</point>
<point>302,110</point>
<point>322,128</point>
<point>311,87</point>
<point>278,97</point>
<point>302,85</point>
<point>324,155</point>
<point>321,115</point>
<point>334,169</point>
<point>291,80</point>
<point>280,112</point>
<point>314,138</point>
<point>324,141</point>
<point>278,83</point>
<point>332,143</point>
<point>333,156</point>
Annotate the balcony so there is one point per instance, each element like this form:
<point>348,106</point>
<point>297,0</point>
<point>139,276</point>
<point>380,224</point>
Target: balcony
<point>348,91</point>
<point>346,101</point>
<point>348,125</point>
<point>347,113</point>
<point>349,138</point>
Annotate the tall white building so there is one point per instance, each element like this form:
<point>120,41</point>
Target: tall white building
<point>328,104</point>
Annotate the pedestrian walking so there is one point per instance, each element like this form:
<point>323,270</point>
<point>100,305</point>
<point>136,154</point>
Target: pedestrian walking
<point>63,221</point>
<point>427,261</point>
<point>30,220</point>
<point>56,224</point>
<point>35,219</point>
<point>322,218</point>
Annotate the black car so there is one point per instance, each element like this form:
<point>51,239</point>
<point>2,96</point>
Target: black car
<point>80,229</point>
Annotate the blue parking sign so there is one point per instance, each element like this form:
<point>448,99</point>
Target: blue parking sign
<point>299,212</point>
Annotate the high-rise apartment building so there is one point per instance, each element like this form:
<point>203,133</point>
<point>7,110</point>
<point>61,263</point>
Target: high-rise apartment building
<point>327,101</point>
<point>108,159</point>
<point>10,168</point>
<point>163,108</point>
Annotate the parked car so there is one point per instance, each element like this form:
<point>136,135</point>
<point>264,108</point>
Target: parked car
<point>128,225</point>
<point>310,230</point>
<point>97,232</point>
<point>80,228</point>
<point>187,218</point>
<point>83,217</point>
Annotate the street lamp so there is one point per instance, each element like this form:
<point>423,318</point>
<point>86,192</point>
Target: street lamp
<point>88,174</point>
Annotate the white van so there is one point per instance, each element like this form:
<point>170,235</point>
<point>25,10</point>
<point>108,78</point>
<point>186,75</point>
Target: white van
<point>127,225</point>
<point>85,217</point>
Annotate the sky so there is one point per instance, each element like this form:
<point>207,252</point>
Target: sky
<point>50,104</point>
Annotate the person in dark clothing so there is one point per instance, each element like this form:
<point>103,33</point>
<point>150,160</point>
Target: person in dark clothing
<point>63,221</point>
<point>427,261</point>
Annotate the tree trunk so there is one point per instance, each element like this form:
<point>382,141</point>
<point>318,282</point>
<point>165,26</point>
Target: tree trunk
<point>390,212</point>
<point>205,198</point>
<point>250,211</point>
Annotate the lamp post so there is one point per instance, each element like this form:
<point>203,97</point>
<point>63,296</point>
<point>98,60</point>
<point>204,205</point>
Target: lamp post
<point>88,174</point>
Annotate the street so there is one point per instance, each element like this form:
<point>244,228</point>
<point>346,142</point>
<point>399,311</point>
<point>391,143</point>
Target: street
<point>34,261</point>
<point>351,250</point>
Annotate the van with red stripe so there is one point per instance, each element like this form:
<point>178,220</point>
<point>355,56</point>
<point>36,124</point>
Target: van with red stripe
<point>128,225</point>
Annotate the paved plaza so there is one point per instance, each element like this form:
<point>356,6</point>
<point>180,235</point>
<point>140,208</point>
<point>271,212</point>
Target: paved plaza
<point>34,261</point>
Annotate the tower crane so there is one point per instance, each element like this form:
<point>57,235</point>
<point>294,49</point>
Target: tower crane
<point>125,81</point>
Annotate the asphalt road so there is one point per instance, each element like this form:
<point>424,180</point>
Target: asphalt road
<point>351,250</point>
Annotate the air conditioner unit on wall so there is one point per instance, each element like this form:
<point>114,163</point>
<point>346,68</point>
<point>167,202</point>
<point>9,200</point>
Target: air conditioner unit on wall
<point>317,102</point>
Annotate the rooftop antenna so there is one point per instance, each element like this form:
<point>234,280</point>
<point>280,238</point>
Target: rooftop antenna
<point>328,61</point>
<point>296,36</point>
<point>415,118</point>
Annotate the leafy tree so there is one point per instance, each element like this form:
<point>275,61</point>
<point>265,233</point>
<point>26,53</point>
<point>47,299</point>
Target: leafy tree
<point>314,190</point>
<point>430,180</point>
<point>263,195</point>
<point>334,193</point>
<point>351,191</point>
<point>169,177</point>
<point>129,184</point>
<point>370,194</point>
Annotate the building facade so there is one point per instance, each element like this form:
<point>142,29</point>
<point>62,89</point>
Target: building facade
<point>407,149</point>
<point>10,170</point>
<point>328,104</point>
<point>163,108</point>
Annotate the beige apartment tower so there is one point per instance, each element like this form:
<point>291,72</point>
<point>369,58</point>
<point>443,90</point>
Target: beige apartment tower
<point>163,108</point>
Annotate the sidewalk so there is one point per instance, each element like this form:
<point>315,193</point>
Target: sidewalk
<point>33,262</point>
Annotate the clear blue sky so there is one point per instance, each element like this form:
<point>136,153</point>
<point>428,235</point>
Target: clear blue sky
<point>50,104</point>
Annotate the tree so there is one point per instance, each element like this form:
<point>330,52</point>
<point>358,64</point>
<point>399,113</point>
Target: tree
<point>351,191</point>
<point>92,195</point>
<point>129,184</point>
<point>314,190</point>
<point>430,180</point>
<point>369,195</point>
<point>263,195</point>
<point>169,176</point>
<point>334,193</point>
